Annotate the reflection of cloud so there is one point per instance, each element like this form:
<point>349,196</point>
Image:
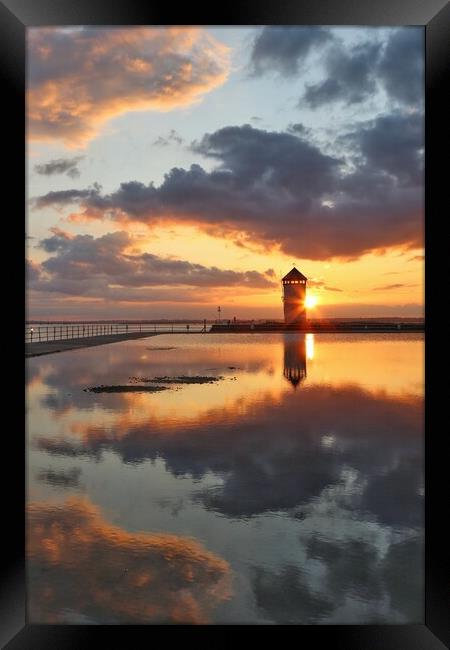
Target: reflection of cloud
<point>66,381</point>
<point>353,584</point>
<point>262,471</point>
<point>63,479</point>
<point>395,496</point>
<point>78,79</point>
<point>78,562</point>
<point>285,597</point>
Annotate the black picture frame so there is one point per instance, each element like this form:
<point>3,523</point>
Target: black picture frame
<point>434,15</point>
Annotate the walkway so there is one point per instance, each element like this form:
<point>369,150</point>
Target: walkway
<point>36,349</point>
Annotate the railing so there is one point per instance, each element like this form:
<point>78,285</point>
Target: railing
<point>40,333</point>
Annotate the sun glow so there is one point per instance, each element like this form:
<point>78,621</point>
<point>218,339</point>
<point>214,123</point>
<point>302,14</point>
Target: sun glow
<point>311,301</point>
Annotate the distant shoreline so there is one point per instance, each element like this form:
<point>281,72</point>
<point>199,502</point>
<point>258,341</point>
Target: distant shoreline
<point>325,325</point>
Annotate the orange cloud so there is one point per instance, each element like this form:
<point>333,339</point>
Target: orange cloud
<point>79,565</point>
<point>80,78</point>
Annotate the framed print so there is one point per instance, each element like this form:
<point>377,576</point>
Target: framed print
<point>232,230</point>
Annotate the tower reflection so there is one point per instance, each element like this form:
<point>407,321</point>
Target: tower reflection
<point>295,350</point>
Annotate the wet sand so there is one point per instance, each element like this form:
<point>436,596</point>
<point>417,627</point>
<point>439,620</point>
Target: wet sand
<point>38,348</point>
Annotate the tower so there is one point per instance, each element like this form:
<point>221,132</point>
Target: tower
<point>294,294</point>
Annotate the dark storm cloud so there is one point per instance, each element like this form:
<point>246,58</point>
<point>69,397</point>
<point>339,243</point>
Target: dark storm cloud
<point>351,76</point>
<point>67,166</point>
<point>85,265</point>
<point>280,189</point>
<point>276,159</point>
<point>394,145</point>
<point>401,68</point>
<point>283,49</point>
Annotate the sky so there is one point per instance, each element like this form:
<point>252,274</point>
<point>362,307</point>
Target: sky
<point>171,170</point>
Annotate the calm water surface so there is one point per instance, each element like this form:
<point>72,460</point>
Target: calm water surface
<point>290,491</point>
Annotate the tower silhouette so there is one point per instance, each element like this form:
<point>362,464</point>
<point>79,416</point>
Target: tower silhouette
<point>294,295</point>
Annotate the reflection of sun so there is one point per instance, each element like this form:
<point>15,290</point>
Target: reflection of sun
<point>309,341</point>
<point>311,301</point>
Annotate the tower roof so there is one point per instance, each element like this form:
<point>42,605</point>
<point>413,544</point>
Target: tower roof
<point>294,274</point>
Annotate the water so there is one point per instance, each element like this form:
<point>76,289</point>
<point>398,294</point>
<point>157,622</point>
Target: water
<point>290,491</point>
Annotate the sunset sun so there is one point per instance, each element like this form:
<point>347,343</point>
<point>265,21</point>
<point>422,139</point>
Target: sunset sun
<point>311,301</point>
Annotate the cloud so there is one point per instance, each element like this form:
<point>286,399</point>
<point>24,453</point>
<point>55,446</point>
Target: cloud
<point>402,66</point>
<point>32,271</point>
<point>389,287</point>
<point>355,73</point>
<point>80,78</point>
<point>67,166</point>
<point>320,284</point>
<point>283,49</point>
<point>299,129</point>
<point>65,197</point>
<point>393,144</point>
<point>81,567</point>
<point>83,265</point>
<point>172,137</point>
<point>279,189</point>
<point>351,76</point>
